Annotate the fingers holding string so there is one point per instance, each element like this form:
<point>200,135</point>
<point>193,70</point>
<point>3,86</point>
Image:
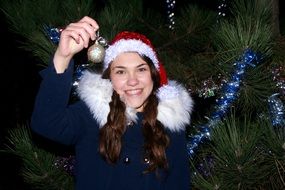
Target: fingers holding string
<point>92,26</point>
<point>84,30</point>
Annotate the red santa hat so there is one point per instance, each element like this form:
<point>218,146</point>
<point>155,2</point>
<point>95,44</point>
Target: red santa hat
<point>134,42</point>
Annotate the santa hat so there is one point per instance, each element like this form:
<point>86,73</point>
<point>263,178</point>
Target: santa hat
<point>134,42</point>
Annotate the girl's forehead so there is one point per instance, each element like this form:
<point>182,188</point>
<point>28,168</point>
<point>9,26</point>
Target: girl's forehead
<point>128,59</point>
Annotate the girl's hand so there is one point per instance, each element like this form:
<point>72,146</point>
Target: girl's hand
<point>73,39</point>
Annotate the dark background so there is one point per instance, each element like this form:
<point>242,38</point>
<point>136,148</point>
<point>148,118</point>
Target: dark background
<point>20,81</point>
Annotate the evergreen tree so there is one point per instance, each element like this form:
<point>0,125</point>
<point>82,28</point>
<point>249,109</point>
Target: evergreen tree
<point>233,66</point>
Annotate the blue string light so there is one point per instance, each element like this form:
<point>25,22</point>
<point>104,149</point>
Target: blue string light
<point>52,33</point>
<point>277,110</point>
<point>229,95</point>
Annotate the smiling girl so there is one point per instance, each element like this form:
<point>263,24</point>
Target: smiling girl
<point>128,127</point>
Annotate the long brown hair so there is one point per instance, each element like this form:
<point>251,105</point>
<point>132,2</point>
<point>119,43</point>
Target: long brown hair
<point>156,139</point>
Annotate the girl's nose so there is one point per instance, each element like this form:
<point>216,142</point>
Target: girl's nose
<point>132,79</point>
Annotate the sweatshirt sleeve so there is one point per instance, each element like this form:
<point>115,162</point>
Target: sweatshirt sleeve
<point>52,116</point>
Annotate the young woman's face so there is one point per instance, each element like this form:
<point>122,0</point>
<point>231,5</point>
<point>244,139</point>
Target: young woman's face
<point>131,79</point>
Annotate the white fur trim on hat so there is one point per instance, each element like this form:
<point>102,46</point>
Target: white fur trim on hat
<point>130,45</point>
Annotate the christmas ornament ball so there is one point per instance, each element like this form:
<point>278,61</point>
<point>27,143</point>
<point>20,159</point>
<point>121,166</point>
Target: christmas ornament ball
<point>96,53</point>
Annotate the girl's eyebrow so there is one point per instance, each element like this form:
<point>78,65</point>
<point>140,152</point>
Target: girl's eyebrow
<point>123,67</point>
<point>143,64</point>
<point>118,67</point>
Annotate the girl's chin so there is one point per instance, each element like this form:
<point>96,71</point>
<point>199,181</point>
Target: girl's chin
<point>138,106</point>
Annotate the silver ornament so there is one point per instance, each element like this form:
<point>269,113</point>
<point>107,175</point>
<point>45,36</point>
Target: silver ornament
<point>96,53</point>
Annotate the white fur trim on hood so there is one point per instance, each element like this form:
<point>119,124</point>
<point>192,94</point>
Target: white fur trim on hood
<point>96,93</point>
<point>174,108</point>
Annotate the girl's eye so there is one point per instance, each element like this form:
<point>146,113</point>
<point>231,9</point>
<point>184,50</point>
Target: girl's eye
<point>142,69</point>
<point>120,72</point>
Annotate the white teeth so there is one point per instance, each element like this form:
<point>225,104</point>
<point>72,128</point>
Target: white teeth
<point>133,92</point>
